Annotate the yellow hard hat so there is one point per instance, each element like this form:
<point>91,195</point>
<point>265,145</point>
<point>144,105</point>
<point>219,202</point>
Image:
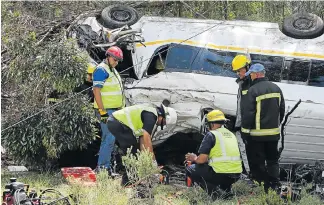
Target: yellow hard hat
<point>239,62</point>
<point>216,115</point>
<point>91,67</point>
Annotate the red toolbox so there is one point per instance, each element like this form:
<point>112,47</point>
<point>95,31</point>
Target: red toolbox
<point>82,173</point>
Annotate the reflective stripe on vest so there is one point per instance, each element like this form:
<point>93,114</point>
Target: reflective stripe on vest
<point>244,92</point>
<point>258,131</point>
<point>131,117</point>
<point>258,106</point>
<point>224,157</point>
<point>112,90</point>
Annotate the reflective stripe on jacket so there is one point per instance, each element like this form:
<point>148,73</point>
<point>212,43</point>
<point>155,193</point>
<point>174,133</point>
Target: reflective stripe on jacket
<point>131,117</point>
<point>112,90</point>
<point>264,109</point>
<point>224,157</point>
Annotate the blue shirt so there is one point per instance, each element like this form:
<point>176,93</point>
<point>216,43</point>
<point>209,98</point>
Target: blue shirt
<point>207,144</point>
<point>99,77</point>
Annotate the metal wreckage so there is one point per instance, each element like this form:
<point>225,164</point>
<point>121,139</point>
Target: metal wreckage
<point>188,62</point>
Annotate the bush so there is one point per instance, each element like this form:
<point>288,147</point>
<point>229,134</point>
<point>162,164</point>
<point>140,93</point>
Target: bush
<point>307,199</point>
<point>141,171</point>
<point>34,71</point>
<point>40,140</point>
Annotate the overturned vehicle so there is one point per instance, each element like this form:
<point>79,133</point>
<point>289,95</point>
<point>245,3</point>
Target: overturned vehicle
<point>188,62</point>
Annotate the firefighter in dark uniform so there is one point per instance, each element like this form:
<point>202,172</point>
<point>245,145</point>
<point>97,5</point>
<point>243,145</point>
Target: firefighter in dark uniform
<point>241,65</point>
<point>263,111</point>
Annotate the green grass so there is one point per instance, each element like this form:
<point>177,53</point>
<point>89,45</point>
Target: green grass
<point>140,168</point>
<point>109,191</point>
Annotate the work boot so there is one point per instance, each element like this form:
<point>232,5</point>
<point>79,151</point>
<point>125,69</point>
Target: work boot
<point>125,181</point>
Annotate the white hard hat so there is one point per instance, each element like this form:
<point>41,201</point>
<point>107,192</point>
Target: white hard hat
<point>170,115</point>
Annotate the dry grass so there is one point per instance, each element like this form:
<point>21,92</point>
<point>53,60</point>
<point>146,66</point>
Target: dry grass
<point>109,191</point>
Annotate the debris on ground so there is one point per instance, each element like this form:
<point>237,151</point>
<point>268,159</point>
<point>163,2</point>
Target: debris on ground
<point>18,193</point>
<point>17,169</point>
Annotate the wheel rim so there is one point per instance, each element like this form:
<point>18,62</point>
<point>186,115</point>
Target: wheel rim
<point>303,24</point>
<point>121,15</point>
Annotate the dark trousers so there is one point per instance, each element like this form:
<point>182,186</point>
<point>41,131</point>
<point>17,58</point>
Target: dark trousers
<point>124,135</point>
<point>124,139</point>
<point>260,152</point>
<point>208,179</point>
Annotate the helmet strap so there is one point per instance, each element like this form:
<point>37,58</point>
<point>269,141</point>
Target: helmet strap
<point>209,125</point>
<point>161,113</point>
<point>247,67</point>
<point>161,125</point>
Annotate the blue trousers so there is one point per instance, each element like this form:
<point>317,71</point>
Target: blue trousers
<point>107,142</point>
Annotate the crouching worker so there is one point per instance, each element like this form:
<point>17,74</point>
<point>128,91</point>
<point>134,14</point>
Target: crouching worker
<point>218,163</point>
<point>134,126</point>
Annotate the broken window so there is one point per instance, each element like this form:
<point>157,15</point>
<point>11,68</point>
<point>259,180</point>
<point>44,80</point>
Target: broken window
<point>296,70</point>
<point>157,64</point>
<point>272,64</point>
<point>214,62</point>
<point>317,74</point>
<point>181,57</point>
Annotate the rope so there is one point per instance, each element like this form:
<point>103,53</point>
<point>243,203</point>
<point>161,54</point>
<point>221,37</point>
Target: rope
<point>52,106</point>
<point>120,73</point>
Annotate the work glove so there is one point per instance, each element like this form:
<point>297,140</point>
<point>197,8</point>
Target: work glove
<point>103,116</point>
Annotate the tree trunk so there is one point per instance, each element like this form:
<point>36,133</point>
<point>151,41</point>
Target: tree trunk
<point>179,9</point>
<point>283,10</point>
<point>225,11</point>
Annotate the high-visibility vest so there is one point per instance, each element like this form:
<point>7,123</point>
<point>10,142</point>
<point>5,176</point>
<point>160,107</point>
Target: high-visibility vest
<point>224,157</point>
<point>112,90</point>
<point>131,117</point>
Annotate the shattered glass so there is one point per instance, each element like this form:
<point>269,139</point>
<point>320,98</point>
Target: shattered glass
<point>317,74</point>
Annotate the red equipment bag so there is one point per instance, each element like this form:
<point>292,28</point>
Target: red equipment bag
<point>82,173</point>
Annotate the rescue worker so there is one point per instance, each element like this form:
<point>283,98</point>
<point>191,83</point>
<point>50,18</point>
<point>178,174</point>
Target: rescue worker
<point>264,109</point>
<point>108,97</point>
<point>219,162</point>
<point>85,87</point>
<point>240,65</point>
<point>134,127</point>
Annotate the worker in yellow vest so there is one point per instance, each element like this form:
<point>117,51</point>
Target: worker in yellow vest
<point>134,127</point>
<point>87,84</point>
<point>219,162</point>
<point>108,97</point>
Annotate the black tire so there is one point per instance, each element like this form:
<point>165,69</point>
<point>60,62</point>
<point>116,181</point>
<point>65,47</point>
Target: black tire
<point>116,16</point>
<point>303,26</point>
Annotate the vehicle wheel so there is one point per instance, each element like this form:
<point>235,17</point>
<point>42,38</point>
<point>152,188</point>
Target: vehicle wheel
<point>116,16</point>
<point>303,26</point>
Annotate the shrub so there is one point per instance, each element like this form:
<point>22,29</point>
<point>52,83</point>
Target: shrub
<point>142,171</point>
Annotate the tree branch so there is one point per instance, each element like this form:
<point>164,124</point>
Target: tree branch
<point>86,14</point>
<point>58,25</point>
<point>189,7</point>
<point>4,51</point>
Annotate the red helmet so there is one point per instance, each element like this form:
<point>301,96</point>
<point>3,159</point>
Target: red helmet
<point>115,52</point>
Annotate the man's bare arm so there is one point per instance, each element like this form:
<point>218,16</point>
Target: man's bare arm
<point>97,96</point>
<point>201,159</point>
<point>146,143</point>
